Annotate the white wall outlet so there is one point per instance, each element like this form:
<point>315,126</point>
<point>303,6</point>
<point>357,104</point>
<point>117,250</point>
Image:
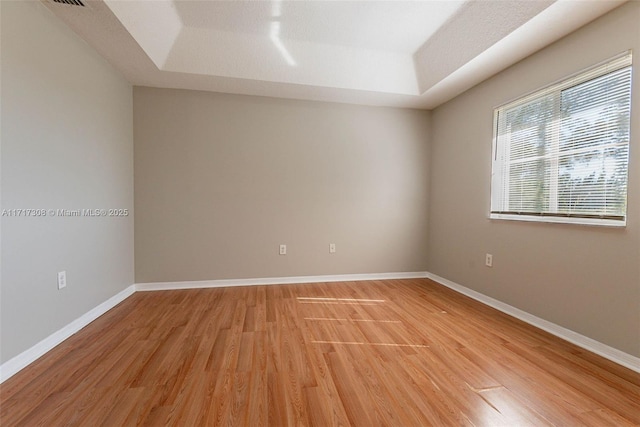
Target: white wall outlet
<point>332,248</point>
<point>488,260</point>
<point>62,279</point>
<point>283,249</point>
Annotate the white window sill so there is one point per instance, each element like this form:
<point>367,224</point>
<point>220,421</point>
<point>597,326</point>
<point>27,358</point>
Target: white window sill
<point>561,220</point>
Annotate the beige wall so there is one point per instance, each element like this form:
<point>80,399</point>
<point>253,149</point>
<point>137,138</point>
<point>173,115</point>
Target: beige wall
<point>67,142</point>
<point>222,180</point>
<point>586,279</point>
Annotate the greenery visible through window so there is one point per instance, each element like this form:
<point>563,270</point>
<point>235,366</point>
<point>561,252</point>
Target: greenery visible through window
<point>561,154</point>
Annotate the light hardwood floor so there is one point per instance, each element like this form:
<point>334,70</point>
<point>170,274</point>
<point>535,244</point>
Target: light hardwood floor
<point>392,352</point>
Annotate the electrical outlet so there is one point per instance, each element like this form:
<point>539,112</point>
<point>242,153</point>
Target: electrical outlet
<point>488,260</point>
<point>332,248</point>
<point>62,279</point>
<point>283,249</point>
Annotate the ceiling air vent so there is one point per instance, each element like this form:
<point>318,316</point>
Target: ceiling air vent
<point>69,2</point>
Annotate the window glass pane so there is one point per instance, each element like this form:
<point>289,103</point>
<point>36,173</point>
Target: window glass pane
<point>526,125</point>
<point>529,191</point>
<point>595,115</point>
<point>596,112</point>
<point>593,183</point>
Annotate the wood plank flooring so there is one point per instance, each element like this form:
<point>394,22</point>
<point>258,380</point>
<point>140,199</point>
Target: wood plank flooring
<point>379,353</point>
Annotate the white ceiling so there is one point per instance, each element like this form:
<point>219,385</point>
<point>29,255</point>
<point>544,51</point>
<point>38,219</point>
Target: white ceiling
<point>415,54</point>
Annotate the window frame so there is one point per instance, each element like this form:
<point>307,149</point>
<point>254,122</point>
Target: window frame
<point>496,165</point>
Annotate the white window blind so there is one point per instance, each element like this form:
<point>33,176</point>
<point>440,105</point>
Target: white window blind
<point>561,154</point>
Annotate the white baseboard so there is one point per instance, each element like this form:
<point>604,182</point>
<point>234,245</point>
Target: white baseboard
<point>161,286</point>
<point>587,343</point>
<point>21,361</point>
<point>14,365</point>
